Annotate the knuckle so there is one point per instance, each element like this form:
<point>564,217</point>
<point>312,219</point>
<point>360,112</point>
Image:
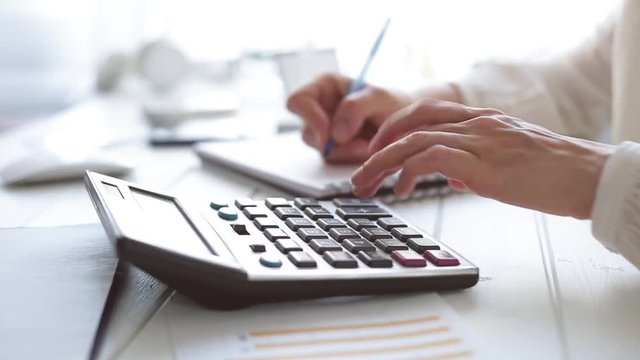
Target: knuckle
<point>351,107</point>
<point>416,137</point>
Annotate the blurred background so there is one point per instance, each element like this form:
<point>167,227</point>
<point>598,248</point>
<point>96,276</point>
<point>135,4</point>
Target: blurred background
<point>51,51</point>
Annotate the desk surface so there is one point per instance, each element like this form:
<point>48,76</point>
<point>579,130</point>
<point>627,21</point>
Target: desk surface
<point>547,289</point>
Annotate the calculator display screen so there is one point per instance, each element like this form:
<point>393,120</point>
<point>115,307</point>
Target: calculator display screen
<point>167,223</point>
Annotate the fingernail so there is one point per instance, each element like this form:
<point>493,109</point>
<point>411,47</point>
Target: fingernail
<point>355,177</point>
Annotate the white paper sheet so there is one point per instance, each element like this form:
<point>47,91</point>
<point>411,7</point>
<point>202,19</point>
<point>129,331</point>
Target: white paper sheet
<point>400,327</point>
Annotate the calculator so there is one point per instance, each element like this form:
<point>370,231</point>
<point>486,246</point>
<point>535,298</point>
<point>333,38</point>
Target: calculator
<point>236,253</point>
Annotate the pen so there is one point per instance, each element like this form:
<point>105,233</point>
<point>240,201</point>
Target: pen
<point>358,83</point>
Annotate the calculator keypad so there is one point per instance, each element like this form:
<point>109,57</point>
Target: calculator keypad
<point>343,234</point>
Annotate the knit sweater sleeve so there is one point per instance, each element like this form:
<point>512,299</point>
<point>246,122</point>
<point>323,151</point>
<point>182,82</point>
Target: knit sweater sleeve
<point>568,94</point>
<point>616,209</point>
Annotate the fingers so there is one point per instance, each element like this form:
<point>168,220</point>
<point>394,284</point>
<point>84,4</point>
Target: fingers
<point>315,103</point>
<point>459,165</point>
<point>353,152</point>
<point>450,162</point>
<point>421,115</point>
<point>353,111</point>
<point>394,156</point>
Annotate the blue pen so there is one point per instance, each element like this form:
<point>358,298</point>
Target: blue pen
<point>358,83</point>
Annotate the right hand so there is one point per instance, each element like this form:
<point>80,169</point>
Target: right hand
<point>351,120</point>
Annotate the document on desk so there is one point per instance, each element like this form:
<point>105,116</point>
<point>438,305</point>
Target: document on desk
<point>287,162</point>
<point>419,326</point>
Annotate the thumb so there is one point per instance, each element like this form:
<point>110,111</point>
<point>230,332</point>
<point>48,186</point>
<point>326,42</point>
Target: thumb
<point>352,113</point>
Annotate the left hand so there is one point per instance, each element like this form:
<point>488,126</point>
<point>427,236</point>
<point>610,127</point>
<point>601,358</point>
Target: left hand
<point>495,156</point>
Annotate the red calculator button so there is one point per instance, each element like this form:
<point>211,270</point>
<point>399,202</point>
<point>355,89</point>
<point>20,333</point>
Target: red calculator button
<point>409,258</point>
<point>441,258</point>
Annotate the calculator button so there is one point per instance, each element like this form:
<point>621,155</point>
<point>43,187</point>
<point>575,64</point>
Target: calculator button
<point>270,260</point>
<point>275,202</point>
<point>371,213</point>
<point>343,233</point>
<point>257,247</point>
<point>328,224</point>
<point>322,245</point>
<point>441,258</point>
<point>360,224</point>
<point>301,259</point>
<point>405,234</point>
<point>422,244</point>
<point>298,223</point>
<point>390,223</point>
<point>264,223</point>
<point>374,259</point>
<point>340,259</point>
<point>275,234</point>
<point>310,234</point>
<point>316,213</point>
<point>356,245</point>
<point>218,204</point>
<point>228,214</point>
<point>287,212</point>
<point>303,203</point>
<point>287,245</point>
<point>409,258</point>
<point>340,202</point>
<point>240,229</point>
<point>375,234</point>
<point>389,245</point>
<point>245,202</point>
<point>253,212</point>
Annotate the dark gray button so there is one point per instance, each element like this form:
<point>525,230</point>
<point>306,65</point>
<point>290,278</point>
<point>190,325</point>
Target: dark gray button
<point>328,224</point>
<point>242,203</point>
<point>274,202</point>
<point>287,212</point>
<point>310,234</point>
<point>371,213</point>
<point>298,223</point>
<point>270,260</point>
<point>264,223</point>
<point>343,233</point>
<point>355,245</point>
<point>303,203</point>
<point>375,234</point>
<point>360,224</point>
<point>340,259</point>
<point>253,212</point>
<point>275,234</point>
<point>405,234</point>
<point>422,244</point>
<point>375,259</point>
<point>302,259</point>
<point>240,229</point>
<point>287,245</point>
<point>389,245</point>
<point>340,202</point>
<point>316,213</point>
<point>322,245</point>
<point>389,223</point>
<point>257,247</point>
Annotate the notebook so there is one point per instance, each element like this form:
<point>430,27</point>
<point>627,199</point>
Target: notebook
<point>286,162</point>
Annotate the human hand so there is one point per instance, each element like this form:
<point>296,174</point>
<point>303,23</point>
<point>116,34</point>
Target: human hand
<point>493,155</point>
<point>351,120</point>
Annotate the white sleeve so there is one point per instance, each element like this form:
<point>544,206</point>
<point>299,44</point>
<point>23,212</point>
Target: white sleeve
<point>616,209</point>
<point>569,94</point>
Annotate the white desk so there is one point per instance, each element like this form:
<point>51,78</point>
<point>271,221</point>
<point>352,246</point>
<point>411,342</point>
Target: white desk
<point>548,289</point>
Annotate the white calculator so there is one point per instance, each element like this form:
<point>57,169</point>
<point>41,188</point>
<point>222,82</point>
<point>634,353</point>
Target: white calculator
<point>233,254</point>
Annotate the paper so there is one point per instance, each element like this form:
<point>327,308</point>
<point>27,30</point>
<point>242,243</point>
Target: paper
<point>399,327</point>
<point>54,284</point>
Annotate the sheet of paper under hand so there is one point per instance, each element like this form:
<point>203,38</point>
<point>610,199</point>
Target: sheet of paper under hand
<point>396,327</point>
